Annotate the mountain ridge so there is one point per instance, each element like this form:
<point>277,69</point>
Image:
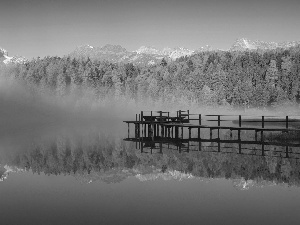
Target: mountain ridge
<point>146,55</point>
<point>244,44</point>
<point>150,55</point>
<point>4,58</point>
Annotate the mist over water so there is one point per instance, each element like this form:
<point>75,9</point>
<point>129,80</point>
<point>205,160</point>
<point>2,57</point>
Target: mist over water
<point>26,116</point>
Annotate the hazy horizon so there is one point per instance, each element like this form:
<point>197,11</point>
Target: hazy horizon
<point>33,28</point>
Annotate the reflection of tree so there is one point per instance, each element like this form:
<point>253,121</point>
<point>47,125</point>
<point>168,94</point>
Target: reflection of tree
<point>98,154</point>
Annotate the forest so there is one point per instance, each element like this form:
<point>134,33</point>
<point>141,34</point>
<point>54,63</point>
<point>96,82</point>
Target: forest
<point>235,79</point>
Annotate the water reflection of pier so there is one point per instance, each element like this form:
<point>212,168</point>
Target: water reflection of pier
<point>159,131</point>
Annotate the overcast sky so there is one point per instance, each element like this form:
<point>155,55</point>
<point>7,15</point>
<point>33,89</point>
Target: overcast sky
<point>33,28</point>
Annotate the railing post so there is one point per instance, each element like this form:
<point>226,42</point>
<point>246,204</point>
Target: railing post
<point>199,119</point>
<point>179,115</point>
<point>240,121</point>
<point>287,122</point>
<point>219,120</point>
<point>262,122</point>
<point>160,115</point>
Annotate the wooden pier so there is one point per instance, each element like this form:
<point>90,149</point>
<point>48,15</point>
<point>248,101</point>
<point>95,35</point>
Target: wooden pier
<point>163,124</point>
<point>158,130</point>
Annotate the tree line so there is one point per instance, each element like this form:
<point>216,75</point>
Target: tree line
<point>248,78</point>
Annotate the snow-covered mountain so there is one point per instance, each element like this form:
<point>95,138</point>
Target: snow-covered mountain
<point>151,55</point>
<point>243,44</point>
<point>6,170</point>
<point>144,55</point>
<point>4,58</point>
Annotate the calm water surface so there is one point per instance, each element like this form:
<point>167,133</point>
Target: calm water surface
<point>95,177</point>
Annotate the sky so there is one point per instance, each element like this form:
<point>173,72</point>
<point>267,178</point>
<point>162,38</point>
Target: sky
<point>35,28</point>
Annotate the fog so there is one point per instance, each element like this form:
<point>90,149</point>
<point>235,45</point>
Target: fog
<point>26,115</point>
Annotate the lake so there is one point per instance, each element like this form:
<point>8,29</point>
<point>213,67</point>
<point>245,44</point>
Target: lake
<point>90,175</point>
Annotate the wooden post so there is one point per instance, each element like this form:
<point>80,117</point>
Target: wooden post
<point>136,117</point>
<point>239,134</point>
<point>190,133</point>
<point>149,130</point>
<point>240,121</point>
<point>168,116</point>
<point>136,126</point>
<point>142,124</point>
<point>179,116</point>
<point>255,135</point>
<point>128,130</point>
<point>139,125</point>
<point>181,132</point>
<point>262,122</point>
<point>176,131</point>
<point>219,124</point>
<point>152,131</point>
<point>188,111</point>
<point>210,133</point>
<point>199,119</point>
<point>160,115</point>
<point>198,132</point>
<point>287,122</point>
